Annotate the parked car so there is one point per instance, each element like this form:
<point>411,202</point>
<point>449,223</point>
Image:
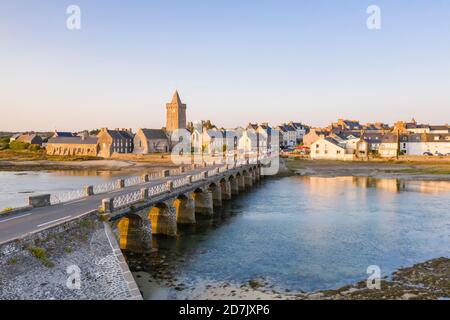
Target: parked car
<point>438,154</point>
<point>427,153</point>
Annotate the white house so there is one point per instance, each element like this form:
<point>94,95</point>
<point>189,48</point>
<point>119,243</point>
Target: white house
<point>327,148</point>
<point>418,144</point>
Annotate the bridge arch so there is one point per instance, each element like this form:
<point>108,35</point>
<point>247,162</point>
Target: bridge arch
<point>185,208</point>
<point>216,190</point>
<point>203,201</point>
<point>164,219</point>
<point>134,233</point>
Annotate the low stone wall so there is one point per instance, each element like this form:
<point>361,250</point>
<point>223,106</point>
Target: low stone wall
<point>79,259</point>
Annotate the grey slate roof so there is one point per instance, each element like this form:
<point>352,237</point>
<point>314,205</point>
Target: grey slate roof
<point>63,134</point>
<point>120,134</point>
<point>73,140</point>
<point>154,133</point>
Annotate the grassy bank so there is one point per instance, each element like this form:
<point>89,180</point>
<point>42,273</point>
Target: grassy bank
<point>379,167</point>
<point>27,155</point>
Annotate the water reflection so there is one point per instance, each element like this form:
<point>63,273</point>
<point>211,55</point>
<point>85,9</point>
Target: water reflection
<point>309,233</point>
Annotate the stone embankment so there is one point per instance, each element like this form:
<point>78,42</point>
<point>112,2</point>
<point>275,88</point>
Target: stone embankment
<point>79,259</point>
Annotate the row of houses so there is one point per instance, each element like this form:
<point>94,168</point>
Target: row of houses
<point>108,142</point>
<point>336,143</point>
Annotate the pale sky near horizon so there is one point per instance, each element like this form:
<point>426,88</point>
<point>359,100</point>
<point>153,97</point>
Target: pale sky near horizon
<point>232,62</point>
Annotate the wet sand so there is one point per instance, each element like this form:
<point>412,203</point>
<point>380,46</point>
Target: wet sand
<point>404,171</point>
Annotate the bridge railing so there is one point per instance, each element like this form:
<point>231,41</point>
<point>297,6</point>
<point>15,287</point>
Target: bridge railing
<point>127,199</point>
<point>181,182</point>
<point>132,181</point>
<point>158,189</point>
<point>62,197</point>
<point>105,187</point>
<point>212,173</point>
<point>198,176</point>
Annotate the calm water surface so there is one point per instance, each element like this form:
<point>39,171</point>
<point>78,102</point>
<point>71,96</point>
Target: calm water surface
<point>16,187</point>
<point>312,233</point>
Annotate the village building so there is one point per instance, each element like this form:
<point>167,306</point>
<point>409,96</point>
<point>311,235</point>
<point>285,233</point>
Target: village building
<point>289,135</point>
<point>329,148</point>
<point>313,135</point>
<point>115,141</point>
<point>28,138</point>
<point>150,141</point>
<point>300,131</point>
<point>63,134</point>
<point>72,146</point>
<point>373,140</point>
<point>420,144</point>
<point>347,125</point>
<point>389,145</point>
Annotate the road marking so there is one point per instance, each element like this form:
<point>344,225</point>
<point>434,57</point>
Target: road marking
<point>67,203</point>
<point>24,215</point>
<point>50,222</point>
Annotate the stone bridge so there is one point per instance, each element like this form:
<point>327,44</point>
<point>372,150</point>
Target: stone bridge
<point>159,209</point>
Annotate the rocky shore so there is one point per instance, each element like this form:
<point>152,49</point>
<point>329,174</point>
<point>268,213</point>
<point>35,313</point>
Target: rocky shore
<point>159,278</point>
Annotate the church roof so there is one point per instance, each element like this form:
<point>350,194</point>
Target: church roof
<point>176,98</point>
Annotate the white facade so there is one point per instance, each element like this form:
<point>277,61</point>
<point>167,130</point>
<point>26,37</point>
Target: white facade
<point>419,148</point>
<point>326,150</point>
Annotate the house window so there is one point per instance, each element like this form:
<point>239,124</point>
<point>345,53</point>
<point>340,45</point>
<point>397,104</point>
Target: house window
<point>338,151</point>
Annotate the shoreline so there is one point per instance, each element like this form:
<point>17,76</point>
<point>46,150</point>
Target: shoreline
<point>429,280</point>
<point>98,165</point>
<point>379,170</point>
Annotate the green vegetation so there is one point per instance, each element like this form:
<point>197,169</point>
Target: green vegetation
<point>9,209</point>
<point>41,254</point>
<point>18,145</point>
<point>34,147</point>
<point>68,250</point>
<point>12,261</point>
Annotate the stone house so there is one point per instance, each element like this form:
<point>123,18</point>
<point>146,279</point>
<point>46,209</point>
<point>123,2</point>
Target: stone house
<point>73,146</point>
<point>151,140</point>
<point>115,141</point>
<point>28,138</point>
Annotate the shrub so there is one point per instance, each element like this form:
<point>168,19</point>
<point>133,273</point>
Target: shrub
<point>4,140</point>
<point>9,209</point>
<point>41,254</point>
<point>4,146</point>
<point>18,145</point>
<point>34,147</point>
<point>68,249</point>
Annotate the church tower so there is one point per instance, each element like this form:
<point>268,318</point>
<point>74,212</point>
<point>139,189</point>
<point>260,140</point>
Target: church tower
<point>176,114</point>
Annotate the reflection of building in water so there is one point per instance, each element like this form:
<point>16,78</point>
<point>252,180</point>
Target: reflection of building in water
<point>331,186</point>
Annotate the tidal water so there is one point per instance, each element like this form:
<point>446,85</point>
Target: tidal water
<point>308,233</point>
<point>16,187</point>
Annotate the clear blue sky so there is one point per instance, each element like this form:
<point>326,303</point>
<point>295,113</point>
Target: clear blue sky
<point>232,62</point>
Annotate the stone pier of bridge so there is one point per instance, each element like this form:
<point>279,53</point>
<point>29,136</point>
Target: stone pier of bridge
<point>179,205</point>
